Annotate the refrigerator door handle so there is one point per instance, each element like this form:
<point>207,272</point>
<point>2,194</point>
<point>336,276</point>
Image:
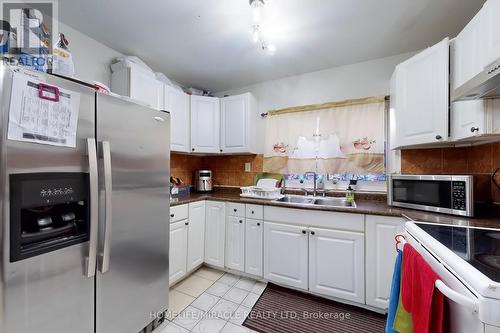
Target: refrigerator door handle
<point>108,219</point>
<point>90,261</point>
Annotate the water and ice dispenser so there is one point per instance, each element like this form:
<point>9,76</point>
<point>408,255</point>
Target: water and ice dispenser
<point>48,211</point>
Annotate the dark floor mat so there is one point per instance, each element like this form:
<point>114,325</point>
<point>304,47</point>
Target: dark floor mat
<point>282,310</point>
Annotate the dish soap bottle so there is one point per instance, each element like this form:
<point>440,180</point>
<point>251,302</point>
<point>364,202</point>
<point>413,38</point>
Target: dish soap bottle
<point>349,195</point>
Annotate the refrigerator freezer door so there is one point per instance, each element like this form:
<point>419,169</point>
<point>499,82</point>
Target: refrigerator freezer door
<point>133,282</point>
<point>49,292</point>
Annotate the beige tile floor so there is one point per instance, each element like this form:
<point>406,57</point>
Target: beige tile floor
<point>211,301</point>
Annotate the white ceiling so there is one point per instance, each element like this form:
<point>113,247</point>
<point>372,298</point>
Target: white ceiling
<point>206,43</point>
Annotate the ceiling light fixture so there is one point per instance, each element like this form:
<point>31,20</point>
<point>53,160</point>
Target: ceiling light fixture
<point>257,6</point>
<point>256,10</point>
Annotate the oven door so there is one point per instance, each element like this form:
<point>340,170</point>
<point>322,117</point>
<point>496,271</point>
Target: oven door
<point>461,319</point>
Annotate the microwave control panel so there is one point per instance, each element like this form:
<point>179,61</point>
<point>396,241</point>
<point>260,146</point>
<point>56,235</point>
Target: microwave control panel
<point>459,195</point>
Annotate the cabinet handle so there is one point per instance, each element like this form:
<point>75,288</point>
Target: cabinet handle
<point>312,233</point>
<point>241,221</point>
<point>438,137</point>
<point>186,223</point>
<point>235,210</point>
<point>258,224</point>
<point>192,149</point>
<point>474,129</point>
<point>221,150</point>
<point>304,232</point>
<point>172,215</point>
<point>253,212</point>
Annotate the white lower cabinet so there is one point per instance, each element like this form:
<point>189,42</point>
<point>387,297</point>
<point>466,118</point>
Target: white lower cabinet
<point>177,251</point>
<point>254,231</point>
<point>336,264</point>
<point>196,235</point>
<point>380,257</point>
<point>285,254</point>
<point>235,243</point>
<point>340,255</point>
<point>215,226</point>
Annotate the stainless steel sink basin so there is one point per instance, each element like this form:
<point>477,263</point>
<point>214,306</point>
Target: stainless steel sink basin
<point>317,201</point>
<point>335,202</point>
<point>297,199</point>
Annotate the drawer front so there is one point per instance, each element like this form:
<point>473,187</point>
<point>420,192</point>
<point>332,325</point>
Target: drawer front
<point>235,209</point>
<point>254,212</point>
<point>178,213</point>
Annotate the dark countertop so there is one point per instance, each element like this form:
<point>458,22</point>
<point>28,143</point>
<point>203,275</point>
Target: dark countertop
<point>486,217</point>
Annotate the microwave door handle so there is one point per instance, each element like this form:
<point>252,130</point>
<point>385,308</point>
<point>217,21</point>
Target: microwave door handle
<point>108,218</point>
<point>458,298</point>
<point>90,261</point>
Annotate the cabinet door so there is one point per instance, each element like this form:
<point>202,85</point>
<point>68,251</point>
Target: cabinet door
<point>253,246</point>
<point>215,233</point>
<point>491,31</point>
<point>145,88</point>
<point>423,97</point>
<point>468,119</point>
<point>177,251</point>
<point>336,264</point>
<point>467,53</point>
<point>177,103</point>
<point>196,235</point>
<point>235,124</point>
<point>380,257</point>
<point>235,243</point>
<point>205,124</point>
<point>285,254</point>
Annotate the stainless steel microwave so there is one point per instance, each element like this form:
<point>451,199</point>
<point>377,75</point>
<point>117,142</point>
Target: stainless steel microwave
<point>446,194</point>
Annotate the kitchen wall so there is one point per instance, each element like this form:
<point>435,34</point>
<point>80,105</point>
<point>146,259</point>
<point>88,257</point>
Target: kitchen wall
<point>480,161</point>
<point>91,58</point>
<point>227,170</point>
<point>370,78</point>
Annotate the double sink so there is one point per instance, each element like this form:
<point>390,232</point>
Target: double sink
<point>317,201</point>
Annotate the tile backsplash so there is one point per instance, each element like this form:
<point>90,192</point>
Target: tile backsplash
<point>228,170</point>
<point>480,161</point>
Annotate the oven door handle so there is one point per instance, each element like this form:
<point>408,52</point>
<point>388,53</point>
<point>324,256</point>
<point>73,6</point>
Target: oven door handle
<point>458,298</point>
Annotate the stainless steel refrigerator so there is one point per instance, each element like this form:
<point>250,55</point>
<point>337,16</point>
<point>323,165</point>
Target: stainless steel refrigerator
<point>84,230</point>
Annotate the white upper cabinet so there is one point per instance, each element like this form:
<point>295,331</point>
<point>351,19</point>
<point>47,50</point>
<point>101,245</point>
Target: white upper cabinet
<point>205,124</point>
<point>467,53</point>
<point>176,102</point>
<point>135,82</point>
<point>422,89</point>
<point>237,133</point>
<point>491,31</point>
<point>467,118</point>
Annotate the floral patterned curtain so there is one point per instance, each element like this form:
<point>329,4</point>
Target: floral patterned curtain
<point>343,141</point>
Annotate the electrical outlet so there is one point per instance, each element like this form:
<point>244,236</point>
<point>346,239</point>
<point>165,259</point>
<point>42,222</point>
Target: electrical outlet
<point>248,167</point>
